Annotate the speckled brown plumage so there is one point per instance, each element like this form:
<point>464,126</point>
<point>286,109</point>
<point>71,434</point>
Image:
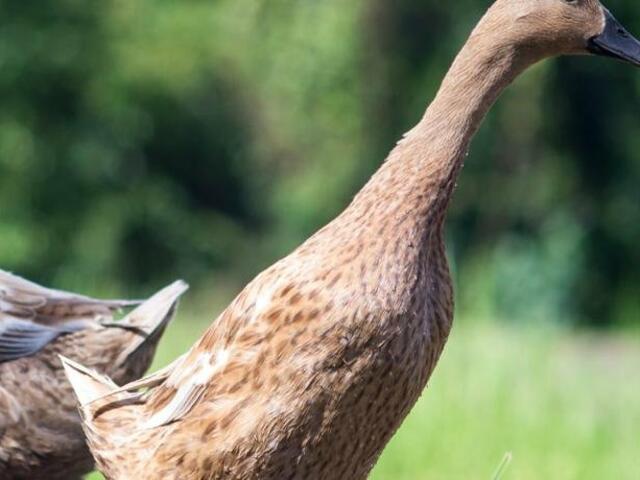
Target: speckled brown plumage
<point>40,433</point>
<point>312,368</point>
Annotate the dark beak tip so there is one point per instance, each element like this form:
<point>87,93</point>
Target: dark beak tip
<point>615,41</point>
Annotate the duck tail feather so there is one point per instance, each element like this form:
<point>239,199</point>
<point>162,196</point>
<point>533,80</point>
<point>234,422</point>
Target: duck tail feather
<point>87,384</point>
<point>150,319</point>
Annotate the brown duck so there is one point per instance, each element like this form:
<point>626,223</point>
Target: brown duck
<point>40,432</point>
<point>312,368</point>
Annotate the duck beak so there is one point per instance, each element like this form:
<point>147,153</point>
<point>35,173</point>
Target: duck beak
<point>615,41</point>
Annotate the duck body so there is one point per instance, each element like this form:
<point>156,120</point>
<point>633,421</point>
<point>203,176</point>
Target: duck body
<point>312,368</point>
<point>40,432</point>
<point>320,357</point>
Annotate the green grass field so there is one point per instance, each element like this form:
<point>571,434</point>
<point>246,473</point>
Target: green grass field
<point>566,404</point>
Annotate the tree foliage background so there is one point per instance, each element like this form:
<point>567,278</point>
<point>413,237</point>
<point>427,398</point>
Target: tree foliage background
<point>143,140</point>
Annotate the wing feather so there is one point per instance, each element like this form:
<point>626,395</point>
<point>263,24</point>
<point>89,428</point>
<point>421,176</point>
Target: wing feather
<point>22,299</point>
<point>31,316</point>
<point>211,358</point>
<point>20,338</point>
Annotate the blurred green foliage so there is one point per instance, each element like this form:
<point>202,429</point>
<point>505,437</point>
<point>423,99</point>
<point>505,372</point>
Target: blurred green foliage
<point>145,140</point>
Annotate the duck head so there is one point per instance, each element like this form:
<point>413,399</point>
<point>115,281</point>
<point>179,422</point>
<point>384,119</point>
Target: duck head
<point>545,28</point>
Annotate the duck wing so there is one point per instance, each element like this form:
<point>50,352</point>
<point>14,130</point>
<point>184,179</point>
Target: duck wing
<point>32,316</point>
<point>23,300</point>
<point>231,347</point>
<point>20,338</point>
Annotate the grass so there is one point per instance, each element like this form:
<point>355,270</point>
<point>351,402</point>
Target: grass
<point>503,466</point>
<point>566,404</point>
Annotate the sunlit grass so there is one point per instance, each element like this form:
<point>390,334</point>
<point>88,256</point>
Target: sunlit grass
<point>566,404</point>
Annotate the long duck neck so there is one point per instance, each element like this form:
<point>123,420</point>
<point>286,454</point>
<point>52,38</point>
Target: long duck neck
<point>420,174</point>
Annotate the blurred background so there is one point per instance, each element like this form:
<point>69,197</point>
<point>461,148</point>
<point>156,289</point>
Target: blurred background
<point>146,140</point>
